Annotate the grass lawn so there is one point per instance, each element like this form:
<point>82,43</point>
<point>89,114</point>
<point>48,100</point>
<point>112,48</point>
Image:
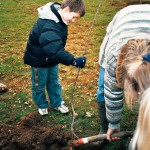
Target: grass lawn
<point>16,20</point>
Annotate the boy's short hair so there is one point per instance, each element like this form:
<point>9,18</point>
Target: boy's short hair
<point>76,6</point>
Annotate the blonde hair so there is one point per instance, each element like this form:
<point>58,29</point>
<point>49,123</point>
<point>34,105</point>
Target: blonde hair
<point>132,73</point>
<point>77,6</point>
<point>141,136</point>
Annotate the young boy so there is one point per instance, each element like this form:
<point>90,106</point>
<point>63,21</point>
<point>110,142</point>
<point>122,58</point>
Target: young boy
<point>45,50</point>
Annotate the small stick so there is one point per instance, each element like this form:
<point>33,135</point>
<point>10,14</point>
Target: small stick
<point>99,137</point>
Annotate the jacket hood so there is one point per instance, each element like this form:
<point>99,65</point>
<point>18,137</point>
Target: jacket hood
<point>45,12</point>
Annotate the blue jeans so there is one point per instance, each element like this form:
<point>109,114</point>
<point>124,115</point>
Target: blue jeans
<point>46,79</point>
<point>100,90</point>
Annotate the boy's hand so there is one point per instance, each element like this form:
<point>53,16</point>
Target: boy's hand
<point>79,62</point>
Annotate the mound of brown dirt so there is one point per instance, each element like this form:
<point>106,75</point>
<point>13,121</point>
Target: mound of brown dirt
<point>30,134</point>
<point>33,134</point>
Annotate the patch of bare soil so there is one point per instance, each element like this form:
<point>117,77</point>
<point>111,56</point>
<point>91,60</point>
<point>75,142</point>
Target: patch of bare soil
<point>120,4</point>
<point>138,2</point>
<point>131,2</point>
<point>33,134</point>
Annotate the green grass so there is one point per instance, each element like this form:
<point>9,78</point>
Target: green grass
<point>16,20</point>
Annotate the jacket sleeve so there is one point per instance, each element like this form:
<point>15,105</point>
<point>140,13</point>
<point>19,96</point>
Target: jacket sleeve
<point>53,47</point>
<point>113,95</point>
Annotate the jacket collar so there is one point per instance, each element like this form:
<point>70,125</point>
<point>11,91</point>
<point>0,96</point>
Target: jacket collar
<point>56,13</point>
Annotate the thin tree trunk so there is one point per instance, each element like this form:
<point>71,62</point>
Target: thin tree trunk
<point>99,137</point>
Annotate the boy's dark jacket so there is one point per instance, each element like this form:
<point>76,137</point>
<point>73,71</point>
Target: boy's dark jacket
<point>47,39</point>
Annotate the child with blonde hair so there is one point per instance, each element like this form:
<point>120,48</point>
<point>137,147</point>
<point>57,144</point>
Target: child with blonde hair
<point>141,136</point>
<point>124,69</point>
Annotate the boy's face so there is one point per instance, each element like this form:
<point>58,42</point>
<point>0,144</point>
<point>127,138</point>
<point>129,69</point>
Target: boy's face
<point>69,16</point>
